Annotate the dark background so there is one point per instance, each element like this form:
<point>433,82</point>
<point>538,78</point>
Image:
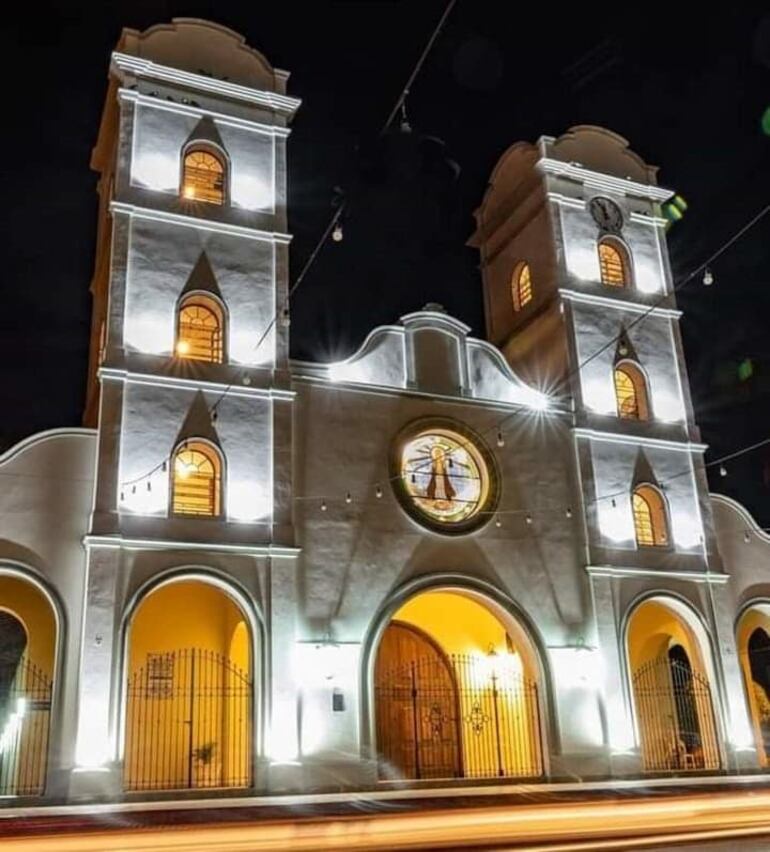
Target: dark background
<point>687,85</point>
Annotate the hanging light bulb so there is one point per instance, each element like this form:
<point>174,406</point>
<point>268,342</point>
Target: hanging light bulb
<point>500,439</point>
<point>122,496</point>
<point>337,233</point>
<point>323,505</point>
<point>405,126</point>
<point>348,498</point>
<point>708,277</point>
<point>378,492</point>
<point>528,519</point>
<point>747,537</point>
<point>285,318</point>
<point>568,513</point>
<point>498,522</point>
<point>613,503</point>
<point>722,470</point>
<point>149,485</point>
<point>133,489</point>
<point>164,466</point>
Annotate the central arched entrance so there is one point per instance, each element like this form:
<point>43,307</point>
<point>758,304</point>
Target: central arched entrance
<point>188,690</point>
<point>456,691</point>
<point>28,637</point>
<point>673,701</point>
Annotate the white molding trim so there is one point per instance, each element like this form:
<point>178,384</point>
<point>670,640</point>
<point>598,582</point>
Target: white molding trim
<point>617,438</point>
<point>47,435</point>
<point>748,518</point>
<point>618,304</point>
<point>644,219</point>
<point>119,542</point>
<point>694,576</point>
<point>146,68</point>
<point>199,112</point>
<point>138,212</point>
<point>600,181</point>
<point>118,375</point>
<point>566,200</point>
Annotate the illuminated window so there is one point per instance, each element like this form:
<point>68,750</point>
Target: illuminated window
<point>521,286</point>
<point>613,264</point>
<point>200,329</point>
<point>203,177</point>
<point>196,480</point>
<point>649,517</point>
<point>631,392</point>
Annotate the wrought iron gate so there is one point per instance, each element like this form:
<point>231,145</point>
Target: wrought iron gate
<point>25,713</point>
<point>188,723</point>
<point>462,721</point>
<point>675,715</point>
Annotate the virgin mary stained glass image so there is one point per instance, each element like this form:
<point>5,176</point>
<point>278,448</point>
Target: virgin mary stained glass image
<point>444,475</point>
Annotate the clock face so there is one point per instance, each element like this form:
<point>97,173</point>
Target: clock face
<point>606,214</point>
<point>444,478</point>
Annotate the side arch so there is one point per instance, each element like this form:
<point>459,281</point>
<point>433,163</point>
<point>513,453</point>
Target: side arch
<point>504,608</point>
<point>235,669</point>
<point>752,636</point>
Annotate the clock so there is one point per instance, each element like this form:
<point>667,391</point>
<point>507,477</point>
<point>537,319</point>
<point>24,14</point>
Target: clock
<point>606,214</point>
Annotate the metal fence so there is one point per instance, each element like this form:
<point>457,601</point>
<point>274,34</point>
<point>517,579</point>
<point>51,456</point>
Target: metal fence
<point>188,723</point>
<point>458,717</point>
<point>675,716</point>
<point>25,714</point>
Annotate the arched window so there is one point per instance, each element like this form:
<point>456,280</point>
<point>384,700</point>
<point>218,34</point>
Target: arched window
<point>196,480</point>
<point>200,327</point>
<point>203,176</point>
<point>614,265</point>
<point>631,392</point>
<point>521,286</point>
<point>649,517</point>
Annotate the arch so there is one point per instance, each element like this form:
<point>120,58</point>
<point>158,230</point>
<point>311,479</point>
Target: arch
<point>490,695</point>
<point>650,516</point>
<point>204,174</point>
<point>631,394</point>
<point>753,642</point>
<point>200,328</point>
<point>189,664</point>
<point>196,479</point>
<point>614,262</point>
<point>29,649</point>
<point>521,286</point>
<point>670,667</point>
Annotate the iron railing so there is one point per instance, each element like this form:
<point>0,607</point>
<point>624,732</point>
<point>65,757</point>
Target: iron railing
<point>457,717</point>
<point>188,723</point>
<point>675,717</point>
<point>25,715</point>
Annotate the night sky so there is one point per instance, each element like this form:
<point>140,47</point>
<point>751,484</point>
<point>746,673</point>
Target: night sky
<point>687,89</point>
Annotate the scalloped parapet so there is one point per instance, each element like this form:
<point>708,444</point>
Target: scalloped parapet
<point>205,48</point>
<point>430,352</point>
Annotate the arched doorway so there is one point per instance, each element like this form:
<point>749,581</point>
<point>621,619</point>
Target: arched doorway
<point>754,650</point>
<point>189,690</point>
<point>673,701</point>
<point>27,657</point>
<point>456,691</point>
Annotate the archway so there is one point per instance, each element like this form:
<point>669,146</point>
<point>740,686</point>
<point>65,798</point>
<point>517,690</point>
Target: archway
<point>753,642</point>
<point>456,691</point>
<point>189,690</point>
<point>669,664</point>
<point>28,635</point>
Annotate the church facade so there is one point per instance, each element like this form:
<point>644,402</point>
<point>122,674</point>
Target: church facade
<point>442,561</point>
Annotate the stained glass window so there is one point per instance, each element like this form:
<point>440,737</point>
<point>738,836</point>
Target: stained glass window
<point>631,392</point>
<point>204,177</point>
<point>445,476</point>
<point>612,265</point>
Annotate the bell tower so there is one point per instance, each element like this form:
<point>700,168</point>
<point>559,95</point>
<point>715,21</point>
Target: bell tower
<point>189,385</point>
<point>579,297</point>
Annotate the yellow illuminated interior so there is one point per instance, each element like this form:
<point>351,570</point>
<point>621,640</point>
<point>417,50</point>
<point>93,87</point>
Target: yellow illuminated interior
<point>653,630</point>
<point>196,480</point>
<point>486,696</point>
<point>612,265</point>
<point>649,517</point>
<point>522,286</point>
<point>631,392</point>
<point>445,476</point>
<point>203,177</point>
<point>200,329</point>
<point>30,606</point>
<point>189,677</point>
<point>756,693</point>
